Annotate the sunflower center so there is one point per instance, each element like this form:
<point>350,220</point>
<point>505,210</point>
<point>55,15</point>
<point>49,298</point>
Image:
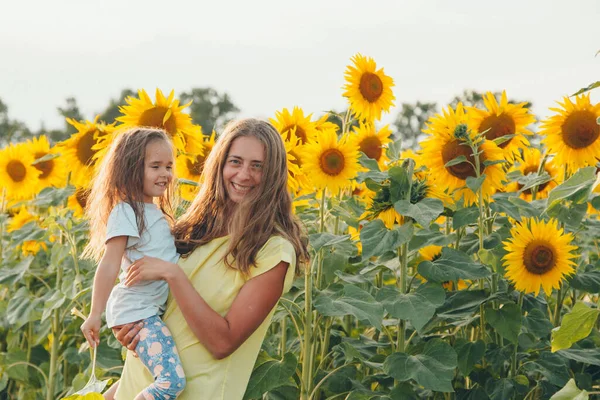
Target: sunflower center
<point>332,162</point>
<point>16,170</point>
<point>580,129</point>
<point>498,126</point>
<point>300,133</point>
<point>454,149</point>
<point>85,153</point>
<point>195,167</point>
<point>370,87</point>
<point>371,146</point>
<point>538,258</point>
<point>155,116</point>
<point>81,196</point>
<point>46,166</point>
<point>529,170</point>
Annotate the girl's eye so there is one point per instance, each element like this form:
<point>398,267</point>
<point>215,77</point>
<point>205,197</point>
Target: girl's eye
<point>257,166</point>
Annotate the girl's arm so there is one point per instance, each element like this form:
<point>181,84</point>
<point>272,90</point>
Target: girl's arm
<point>104,280</point>
<point>220,335</point>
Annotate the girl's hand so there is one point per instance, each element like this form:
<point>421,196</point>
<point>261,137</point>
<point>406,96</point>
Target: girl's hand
<point>146,269</point>
<point>91,329</point>
<point>127,335</point>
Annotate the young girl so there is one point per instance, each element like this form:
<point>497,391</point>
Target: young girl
<point>130,213</point>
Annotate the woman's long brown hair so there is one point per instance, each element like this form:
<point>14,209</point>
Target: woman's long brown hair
<point>120,178</point>
<point>264,212</point>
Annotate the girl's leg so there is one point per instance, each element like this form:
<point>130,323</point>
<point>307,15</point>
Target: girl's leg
<point>157,351</point>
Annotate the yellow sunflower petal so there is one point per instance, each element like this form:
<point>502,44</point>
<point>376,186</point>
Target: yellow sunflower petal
<point>165,113</point>
<point>532,159</point>
<point>572,134</point>
<point>368,89</point>
<point>539,254</point>
<point>18,176</point>
<point>445,144</point>
<point>372,142</point>
<point>296,122</point>
<point>503,119</point>
<point>330,163</point>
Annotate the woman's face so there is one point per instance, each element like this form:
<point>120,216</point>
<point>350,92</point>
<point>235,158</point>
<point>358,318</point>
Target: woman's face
<point>243,167</point>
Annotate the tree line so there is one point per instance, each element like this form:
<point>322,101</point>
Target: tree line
<point>212,109</point>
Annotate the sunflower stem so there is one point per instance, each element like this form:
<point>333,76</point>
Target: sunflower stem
<point>56,336</point>
<point>558,308</point>
<point>307,362</point>
<point>403,253</point>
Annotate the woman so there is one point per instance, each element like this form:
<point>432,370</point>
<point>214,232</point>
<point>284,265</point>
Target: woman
<point>241,247</point>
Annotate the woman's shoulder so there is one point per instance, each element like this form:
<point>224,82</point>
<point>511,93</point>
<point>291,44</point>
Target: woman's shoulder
<point>276,248</point>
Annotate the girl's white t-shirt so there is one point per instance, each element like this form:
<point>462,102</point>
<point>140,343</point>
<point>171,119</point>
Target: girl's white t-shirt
<point>147,298</point>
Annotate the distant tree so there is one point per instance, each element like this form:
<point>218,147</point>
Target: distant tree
<point>209,109</point>
<point>111,112</point>
<point>410,122</point>
<point>473,98</point>
<point>11,131</point>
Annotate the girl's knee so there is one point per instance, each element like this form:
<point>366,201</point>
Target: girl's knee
<point>170,387</point>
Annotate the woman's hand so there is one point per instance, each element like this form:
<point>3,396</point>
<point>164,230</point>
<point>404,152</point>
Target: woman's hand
<point>147,269</point>
<point>127,335</point>
<point>91,329</point>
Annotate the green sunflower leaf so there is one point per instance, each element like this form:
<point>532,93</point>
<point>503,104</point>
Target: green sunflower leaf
<point>376,239</point>
<point>506,320</point>
<point>575,326</point>
<point>452,266</point>
<point>577,188</point>
<point>423,212</point>
<point>350,300</point>
<point>433,368</point>
<point>474,183</point>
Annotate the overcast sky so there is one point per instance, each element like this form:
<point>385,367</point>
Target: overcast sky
<point>273,54</point>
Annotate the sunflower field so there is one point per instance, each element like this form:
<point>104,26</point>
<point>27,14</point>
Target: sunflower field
<point>463,268</point>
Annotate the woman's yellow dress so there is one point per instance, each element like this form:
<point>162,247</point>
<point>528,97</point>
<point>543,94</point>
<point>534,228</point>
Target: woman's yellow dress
<point>208,378</point>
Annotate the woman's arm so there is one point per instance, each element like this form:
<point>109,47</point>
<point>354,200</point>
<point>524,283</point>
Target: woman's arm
<point>104,280</point>
<point>220,335</point>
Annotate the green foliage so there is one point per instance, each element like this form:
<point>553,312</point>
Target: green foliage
<point>433,368</point>
<point>575,326</point>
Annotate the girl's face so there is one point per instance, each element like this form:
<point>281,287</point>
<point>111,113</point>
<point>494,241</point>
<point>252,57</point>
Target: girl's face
<point>242,172</point>
<point>158,169</point>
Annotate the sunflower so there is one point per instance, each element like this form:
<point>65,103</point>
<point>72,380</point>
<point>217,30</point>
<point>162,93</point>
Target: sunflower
<point>538,254</point>
<point>532,159</point>
<point>17,174</point>
<point>503,119</point>
<point>77,202</point>
<point>573,133</point>
<point>295,122</point>
<point>19,220</point>
<point>297,181</point>
<point>372,142</point>
<point>165,113</point>
<point>330,163</point>
<point>189,165</point>
<point>368,90</point>
<point>81,151</point>
<point>53,172</point>
<point>449,134</point>
<point>323,124</point>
